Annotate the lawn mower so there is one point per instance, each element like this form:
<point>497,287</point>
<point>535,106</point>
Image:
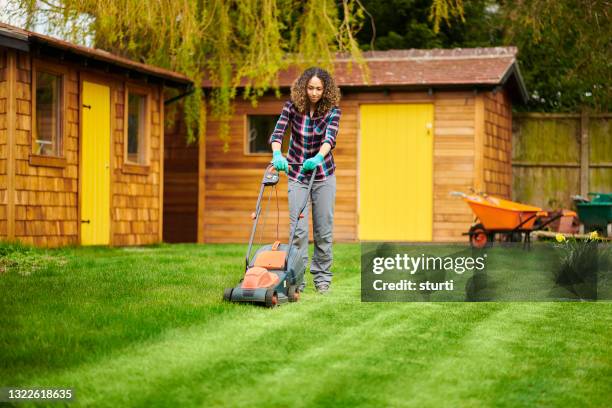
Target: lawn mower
<point>275,272</point>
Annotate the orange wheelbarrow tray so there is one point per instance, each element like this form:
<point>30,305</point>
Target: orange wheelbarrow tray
<point>498,216</point>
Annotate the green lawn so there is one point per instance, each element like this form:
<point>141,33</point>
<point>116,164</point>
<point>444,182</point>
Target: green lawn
<point>147,327</point>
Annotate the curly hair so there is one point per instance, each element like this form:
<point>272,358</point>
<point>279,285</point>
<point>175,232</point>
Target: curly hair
<point>329,99</point>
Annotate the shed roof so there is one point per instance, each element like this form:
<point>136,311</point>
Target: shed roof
<point>24,40</point>
<point>433,68</point>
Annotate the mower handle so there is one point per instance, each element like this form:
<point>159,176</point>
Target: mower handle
<point>255,214</point>
<point>293,163</point>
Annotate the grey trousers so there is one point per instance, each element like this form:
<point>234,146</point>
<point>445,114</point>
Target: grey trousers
<point>322,200</point>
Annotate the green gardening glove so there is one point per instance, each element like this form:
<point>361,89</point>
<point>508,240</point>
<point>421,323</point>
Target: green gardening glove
<point>279,162</point>
<point>313,162</point>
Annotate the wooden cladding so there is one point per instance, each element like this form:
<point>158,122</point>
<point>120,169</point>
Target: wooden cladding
<point>136,205</point>
<point>7,138</point>
<point>497,152</point>
<point>39,195</point>
<point>471,149</point>
<point>181,163</point>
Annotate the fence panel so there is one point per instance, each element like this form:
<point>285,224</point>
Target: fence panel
<point>547,165</point>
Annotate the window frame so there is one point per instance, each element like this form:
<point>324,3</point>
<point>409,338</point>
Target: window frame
<point>246,150</point>
<point>130,166</point>
<point>58,160</point>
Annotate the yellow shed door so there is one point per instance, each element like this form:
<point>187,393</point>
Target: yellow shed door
<point>95,164</point>
<point>396,172</point>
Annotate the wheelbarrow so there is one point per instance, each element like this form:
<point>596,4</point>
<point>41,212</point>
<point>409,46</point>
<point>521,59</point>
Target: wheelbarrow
<point>595,213</point>
<point>494,215</point>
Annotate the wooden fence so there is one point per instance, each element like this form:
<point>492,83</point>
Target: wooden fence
<point>555,156</point>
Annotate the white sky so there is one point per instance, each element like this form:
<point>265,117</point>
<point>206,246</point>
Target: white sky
<point>8,16</point>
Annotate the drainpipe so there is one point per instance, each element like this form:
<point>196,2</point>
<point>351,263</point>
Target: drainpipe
<point>189,91</point>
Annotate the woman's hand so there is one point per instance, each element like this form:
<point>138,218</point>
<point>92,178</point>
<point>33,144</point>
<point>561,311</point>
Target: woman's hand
<point>279,162</point>
<point>313,162</point>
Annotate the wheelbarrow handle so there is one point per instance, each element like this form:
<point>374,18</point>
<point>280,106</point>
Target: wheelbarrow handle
<point>458,194</point>
<point>580,199</point>
<point>563,213</point>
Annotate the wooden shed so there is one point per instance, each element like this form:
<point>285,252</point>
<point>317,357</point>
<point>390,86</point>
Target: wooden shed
<point>81,143</point>
<point>429,122</point>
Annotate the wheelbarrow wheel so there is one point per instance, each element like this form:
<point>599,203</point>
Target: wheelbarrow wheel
<point>479,237</point>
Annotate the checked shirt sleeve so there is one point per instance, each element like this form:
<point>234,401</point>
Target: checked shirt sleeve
<point>281,124</point>
<point>333,125</point>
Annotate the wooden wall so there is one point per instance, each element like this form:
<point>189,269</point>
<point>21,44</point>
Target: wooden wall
<point>180,181</point>
<point>230,180</point>
<point>455,164</point>
<point>136,204</point>
<point>497,144</point>
<point>44,198</point>
<point>3,140</point>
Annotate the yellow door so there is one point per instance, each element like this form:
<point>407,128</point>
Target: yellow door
<point>396,172</point>
<point>95,165</point>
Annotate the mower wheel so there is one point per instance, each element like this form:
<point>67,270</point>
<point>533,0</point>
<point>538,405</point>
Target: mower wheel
<point>293,293</point>
<point>271,298</point>
<point>227,294</point>
<point>479,238</point>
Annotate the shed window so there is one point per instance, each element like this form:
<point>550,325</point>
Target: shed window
<point>48,127</point>
<point>136,137</point>
<point>259,129</point>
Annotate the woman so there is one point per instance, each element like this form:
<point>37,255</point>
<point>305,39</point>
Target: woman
<point>314,117</point>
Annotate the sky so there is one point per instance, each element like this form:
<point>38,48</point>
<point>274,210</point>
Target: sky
<point>8,16</point>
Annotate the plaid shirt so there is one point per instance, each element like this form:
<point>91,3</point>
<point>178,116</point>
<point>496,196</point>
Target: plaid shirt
<point>307,136</point>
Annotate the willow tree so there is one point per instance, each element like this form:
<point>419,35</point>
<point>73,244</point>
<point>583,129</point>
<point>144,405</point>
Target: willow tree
<point>237,44</point>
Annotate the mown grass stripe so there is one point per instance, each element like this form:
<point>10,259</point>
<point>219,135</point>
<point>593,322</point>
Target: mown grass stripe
<point>349,367</point>
<point>145,327</point>
<point>463,372</point>
<point>563,359</point>
<point>146,365</point>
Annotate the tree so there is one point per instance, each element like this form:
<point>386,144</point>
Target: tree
<point>232,42</point>
<point>565,51</point>
<point>402,24</point>
<point>565,47</point>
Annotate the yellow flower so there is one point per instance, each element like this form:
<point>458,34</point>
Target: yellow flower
<point>593,235</point>
<point>560,237</point>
